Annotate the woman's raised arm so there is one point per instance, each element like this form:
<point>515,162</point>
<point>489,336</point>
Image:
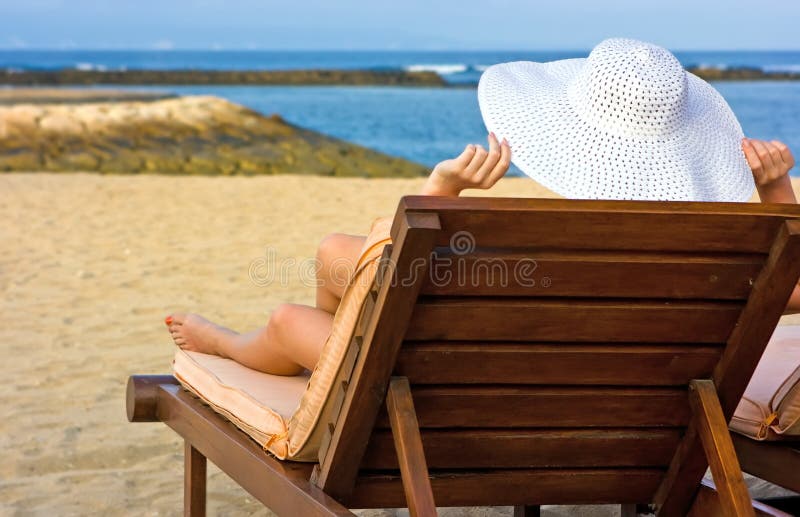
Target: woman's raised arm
<point>771,163</point>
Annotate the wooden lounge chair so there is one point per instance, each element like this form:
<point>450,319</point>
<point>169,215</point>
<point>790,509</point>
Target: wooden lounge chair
<point>531,352</point>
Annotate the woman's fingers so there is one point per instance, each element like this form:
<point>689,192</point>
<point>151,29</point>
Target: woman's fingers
<point>763,155</point>
<point>769,160</point>
<point>786,154</point>
<point>492,157</point>
<point>501,167</point>
<point>461,161</point>
<point>476,167</point>
<point>475,163</point>
<point>775,154</point>
<point>752,157</point>
<point>759,159</point>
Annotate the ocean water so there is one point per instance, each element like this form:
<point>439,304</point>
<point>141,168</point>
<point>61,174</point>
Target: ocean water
<point>422,124</point>
<point>425,125</point>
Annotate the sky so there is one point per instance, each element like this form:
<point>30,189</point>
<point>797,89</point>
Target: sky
<point>397,24</point>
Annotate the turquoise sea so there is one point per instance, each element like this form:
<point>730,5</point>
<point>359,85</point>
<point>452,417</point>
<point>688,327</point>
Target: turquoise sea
<point>423,124</point>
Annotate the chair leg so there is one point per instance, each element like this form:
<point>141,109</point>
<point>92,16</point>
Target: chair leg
<point>194,482</point>
<point>527,511</point>
<point>708,503</point>
<point>716,440</point>
<point>408,443</point>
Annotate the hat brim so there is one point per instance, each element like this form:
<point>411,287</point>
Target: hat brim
<point>527,103</point>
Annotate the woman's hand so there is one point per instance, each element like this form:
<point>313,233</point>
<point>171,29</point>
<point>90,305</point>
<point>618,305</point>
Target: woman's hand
<point>771,163</point>
<point>474,168</point>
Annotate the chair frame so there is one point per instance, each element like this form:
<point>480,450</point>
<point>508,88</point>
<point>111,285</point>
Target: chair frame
<point>335,483</point>
<point>775,461</point>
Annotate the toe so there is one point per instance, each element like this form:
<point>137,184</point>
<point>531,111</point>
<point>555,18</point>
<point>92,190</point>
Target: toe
<point>176,335</point>
<point>176,318</point>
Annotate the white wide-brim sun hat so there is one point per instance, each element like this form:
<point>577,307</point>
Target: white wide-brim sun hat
<point>628,122</point>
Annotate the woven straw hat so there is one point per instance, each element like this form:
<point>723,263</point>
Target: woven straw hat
<point>628,122</point>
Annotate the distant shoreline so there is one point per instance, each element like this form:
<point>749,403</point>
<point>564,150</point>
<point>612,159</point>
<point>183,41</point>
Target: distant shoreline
<point>319,77</point>
<point>75,77</point>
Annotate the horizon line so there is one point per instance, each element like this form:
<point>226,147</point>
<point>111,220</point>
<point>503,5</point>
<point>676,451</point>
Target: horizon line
<point>346,49</point>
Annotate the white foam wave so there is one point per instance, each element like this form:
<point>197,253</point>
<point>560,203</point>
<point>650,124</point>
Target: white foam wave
<point>90,67</point>
<point>783,68</point>
<point>768,69</point>
<point>712,66</point>
<point>442,69</point>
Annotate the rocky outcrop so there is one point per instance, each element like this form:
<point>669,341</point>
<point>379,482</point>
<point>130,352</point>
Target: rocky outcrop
<point>70,76</point>
<point>188,135</point>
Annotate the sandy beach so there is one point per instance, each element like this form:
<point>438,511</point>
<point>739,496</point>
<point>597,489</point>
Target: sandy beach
<point>90,265</point>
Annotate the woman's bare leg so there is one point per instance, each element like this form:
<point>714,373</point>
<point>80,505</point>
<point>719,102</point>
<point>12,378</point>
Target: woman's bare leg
<point>290,343</point>
<point>337,255</point>
<point>295,334</point>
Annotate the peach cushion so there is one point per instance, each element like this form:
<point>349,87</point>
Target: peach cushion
<point>258,403</point>
<point>282,413</point>
<point>770,407</point>
<point>318,405</point>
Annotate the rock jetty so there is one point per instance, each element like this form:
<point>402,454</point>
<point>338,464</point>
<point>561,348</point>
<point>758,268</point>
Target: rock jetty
<point>187,135</point>
<point>71,76</point>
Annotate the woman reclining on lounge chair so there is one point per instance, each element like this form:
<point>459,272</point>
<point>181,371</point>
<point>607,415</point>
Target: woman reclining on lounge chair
<point>563,119</point>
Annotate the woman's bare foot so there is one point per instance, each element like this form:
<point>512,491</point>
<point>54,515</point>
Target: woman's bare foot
<point>194,333</point>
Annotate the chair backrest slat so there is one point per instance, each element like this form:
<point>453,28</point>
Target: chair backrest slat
<point>476,407</point>
<point>537,448</point>
<point>467,362</point>
<point>608,225</point>
<point>548,273</point>
<point>574,319</point>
